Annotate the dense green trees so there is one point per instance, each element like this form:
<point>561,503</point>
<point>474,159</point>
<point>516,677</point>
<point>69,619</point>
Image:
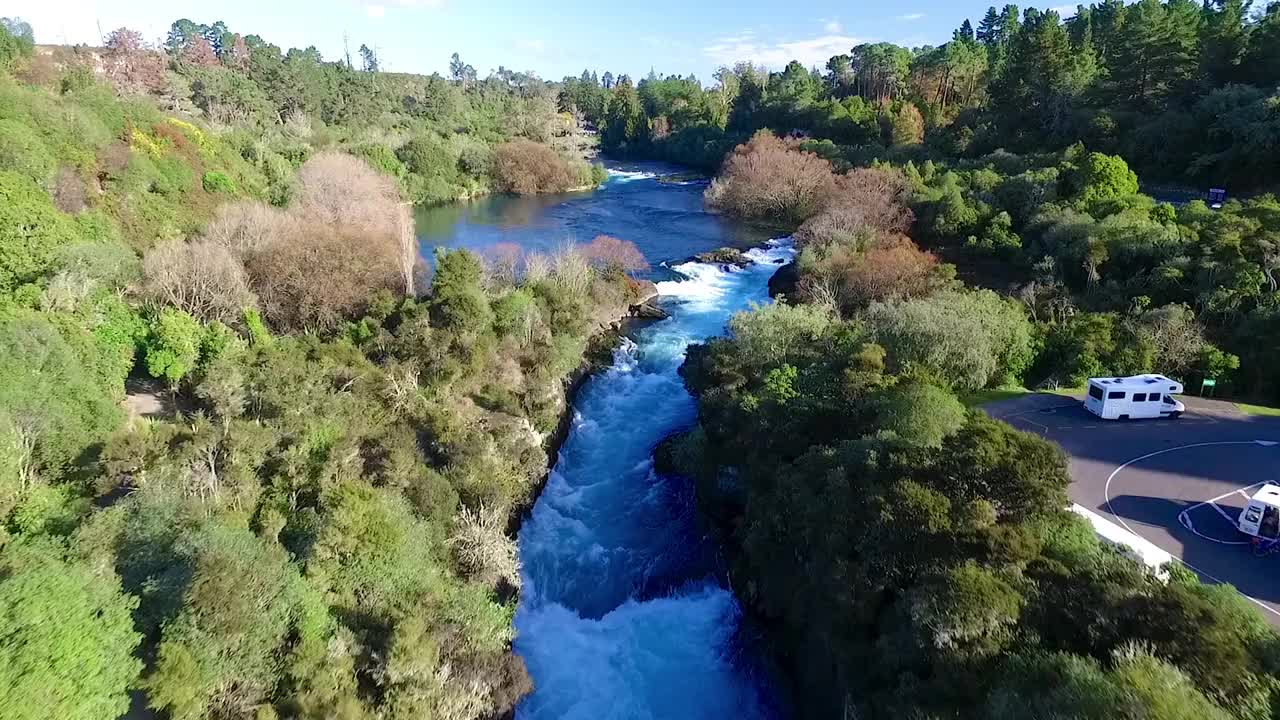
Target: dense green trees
<point>910,557</point>
<point>311,520</point>
<point>68,640</point>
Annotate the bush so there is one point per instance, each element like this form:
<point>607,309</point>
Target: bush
<point>203,278</point>
<point>172,348</point>
<point>865,201</point>
<point>429,157</point>
<point>23,151</point>
<point>382,159</point>
<point>50,394</point>
<point>525,167</point>
<point>31,231</point>
<point>69,637</point>
<point>769,179</point>
<point>216,182</point>
<point>970,339</point>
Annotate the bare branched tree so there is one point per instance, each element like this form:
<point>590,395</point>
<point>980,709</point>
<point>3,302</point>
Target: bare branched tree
<point>202,278</point>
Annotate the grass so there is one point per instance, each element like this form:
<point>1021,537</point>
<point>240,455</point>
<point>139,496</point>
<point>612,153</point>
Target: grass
<point>1248,409</point>
<point>982,397</point>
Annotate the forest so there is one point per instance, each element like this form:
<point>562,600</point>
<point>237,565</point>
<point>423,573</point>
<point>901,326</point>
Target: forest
<point>314,522</point>
<point>1023,141</point>
<point>317,521</point>
<point>906,554</point>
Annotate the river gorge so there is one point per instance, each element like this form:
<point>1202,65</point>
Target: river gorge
<point>625,612</point>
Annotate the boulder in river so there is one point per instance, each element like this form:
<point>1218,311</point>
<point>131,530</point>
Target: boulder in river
<point>723,256</point>
<point>649,310</point>
<point>644,291</point>
<point>785,281</point>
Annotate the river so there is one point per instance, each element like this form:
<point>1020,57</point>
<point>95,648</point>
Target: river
<point>624,613</point>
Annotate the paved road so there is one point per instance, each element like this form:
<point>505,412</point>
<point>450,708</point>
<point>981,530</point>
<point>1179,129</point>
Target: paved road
<point>1178,483</point>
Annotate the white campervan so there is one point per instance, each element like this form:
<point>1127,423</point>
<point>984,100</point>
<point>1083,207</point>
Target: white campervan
<point>1261,517</point>
<point>1131,398</point>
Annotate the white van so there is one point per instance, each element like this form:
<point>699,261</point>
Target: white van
<point>1131,398</point>
<point>1261,517</point>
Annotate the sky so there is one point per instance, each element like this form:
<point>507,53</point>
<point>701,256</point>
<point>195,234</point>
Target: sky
<point>553,39</point>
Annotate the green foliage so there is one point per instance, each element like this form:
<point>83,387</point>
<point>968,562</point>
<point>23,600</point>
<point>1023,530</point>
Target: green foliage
<point>216,182</point>
<point>970,340</point>
<point>23,151</point>
<point>16,42</point>
<point>50,393</point>
<point>172,347</point>
<point>1104,177</point>
<point>242,600</point>
<point>69,640</point>
<point>31,231</point>
<point>921,414</point>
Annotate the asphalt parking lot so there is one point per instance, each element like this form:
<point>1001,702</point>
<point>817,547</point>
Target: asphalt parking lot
<point>1178,483</point>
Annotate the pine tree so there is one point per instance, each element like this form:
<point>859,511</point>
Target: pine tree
<point>989,28</point>
<point>1223,41</point>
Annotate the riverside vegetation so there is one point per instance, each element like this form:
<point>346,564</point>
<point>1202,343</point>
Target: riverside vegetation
<point>907,556</point>
<point>1021,141</point>
<point>320,531</point>
<point>319,528</point>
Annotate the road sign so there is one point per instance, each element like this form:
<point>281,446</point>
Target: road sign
<point>1207,384</point>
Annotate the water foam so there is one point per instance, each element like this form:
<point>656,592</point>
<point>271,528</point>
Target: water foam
<point>621,615</point>
<point>626,176</point>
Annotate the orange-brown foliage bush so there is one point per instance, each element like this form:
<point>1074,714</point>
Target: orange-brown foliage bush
<point>525,167</point>
<point>771,179</point>
<point>346,236</point>
<point>866,202</point>
<point>890,267</point>
<point>321,276</point>
<point>609,252</point>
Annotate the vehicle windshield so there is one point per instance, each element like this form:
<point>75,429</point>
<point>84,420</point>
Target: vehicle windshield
<point>1168,400</point>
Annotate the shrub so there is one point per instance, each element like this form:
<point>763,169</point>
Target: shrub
<point>172,346</point>
<point>69,637</point>
<point>319,277</point>
<point>50,393</point>
<point>31,230</point>
<point>216,182</point>
<point>525,167</point>
<point>769,179</point>
<point>613,254</point>
<point>248,227</point>
<point>971,340</point>
<point>429,157</point>
<point>23,151</point>
<point>890,268</point>
<point>382,159</point>
<point>204,279</point>
<point>344,192</point>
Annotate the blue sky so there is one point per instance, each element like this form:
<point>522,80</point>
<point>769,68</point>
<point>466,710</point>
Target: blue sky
<point>550,38</point>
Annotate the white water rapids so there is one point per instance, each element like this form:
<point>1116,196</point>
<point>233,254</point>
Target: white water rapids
<point>622,615</point>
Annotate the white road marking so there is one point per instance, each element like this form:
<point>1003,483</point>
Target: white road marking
<point>1221,512</point>
<point>1106,493</point>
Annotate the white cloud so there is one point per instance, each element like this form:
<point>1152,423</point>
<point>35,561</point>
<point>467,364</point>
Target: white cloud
<point>909,17</point>
<point>375,11</point>
<point>1065,11</point>
<point>833,27</point>
<point>810,52</point>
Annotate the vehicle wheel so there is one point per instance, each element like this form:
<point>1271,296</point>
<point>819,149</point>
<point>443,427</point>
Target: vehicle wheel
<point>1123,417</point>
<point>1175,415</point>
